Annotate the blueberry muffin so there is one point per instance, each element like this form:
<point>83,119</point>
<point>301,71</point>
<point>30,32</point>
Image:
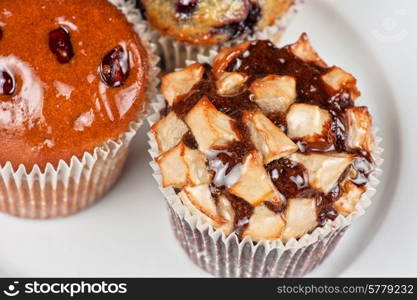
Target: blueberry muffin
<point>79,89</point>
<point>266,144</point>
<point>203,23</point>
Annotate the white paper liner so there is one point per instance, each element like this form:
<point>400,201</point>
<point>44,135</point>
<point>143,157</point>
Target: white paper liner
<point>73,186</point>
<point>226,256</point>
<point>174,53</point>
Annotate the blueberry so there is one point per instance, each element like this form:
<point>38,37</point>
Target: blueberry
<point>236,29</point>
<point>185,7</point>
<point>253,17</point>
<point>141,8</point>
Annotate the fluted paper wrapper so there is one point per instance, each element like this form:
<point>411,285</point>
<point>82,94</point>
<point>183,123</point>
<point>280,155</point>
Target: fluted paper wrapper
<point>175,53</point>
<point>227,256</point>
<point>72,186</point>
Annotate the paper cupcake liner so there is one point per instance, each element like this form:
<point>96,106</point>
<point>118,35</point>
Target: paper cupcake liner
<point>175,53</point>
<point>77,184</point>
<point>227,256</point>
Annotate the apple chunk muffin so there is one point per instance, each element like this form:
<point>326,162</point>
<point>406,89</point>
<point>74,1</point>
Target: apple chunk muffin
<point>266,142</point>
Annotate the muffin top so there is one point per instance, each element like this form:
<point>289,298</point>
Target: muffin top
<point>209,22</point>
<point>267,142</point>
<point>73,74</point>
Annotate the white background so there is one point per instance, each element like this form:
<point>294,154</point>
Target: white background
<point>128,233</point>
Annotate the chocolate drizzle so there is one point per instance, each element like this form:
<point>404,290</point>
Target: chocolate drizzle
<point>279,119</point>
<point>290,178</point>
<point>243,211</point>
<point>363,168</point>
<point>325,201</point>
<point>232,106</point>
<point>311,89</point>
<point>235,152</point>
<point>260,59</point>
<point>7,83</point>
<point>141,8</point>
<point>189,140</point>
<point>275,207</point>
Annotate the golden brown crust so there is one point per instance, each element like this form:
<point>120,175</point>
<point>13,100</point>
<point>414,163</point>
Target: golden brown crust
<point>67,109</point>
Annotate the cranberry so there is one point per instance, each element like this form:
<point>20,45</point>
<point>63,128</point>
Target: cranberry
<point>185,7</point>
<point>7,83</point>
<point>115,67</point>
<point>279,119</point>
<point>1,33</point>
<point>60,45</point>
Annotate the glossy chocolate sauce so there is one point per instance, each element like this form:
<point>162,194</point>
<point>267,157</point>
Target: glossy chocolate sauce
<point>290,178</point>
<point>189,140</point>
<point>243,210</point>
<point>275,207</point>
<point>279,120</point>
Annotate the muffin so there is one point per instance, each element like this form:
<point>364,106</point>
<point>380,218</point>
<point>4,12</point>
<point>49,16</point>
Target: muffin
<point>264,158</point>
<point>72,97</point>
<point>184,28</point>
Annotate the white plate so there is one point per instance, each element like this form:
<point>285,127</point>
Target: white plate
<point>128,233</point>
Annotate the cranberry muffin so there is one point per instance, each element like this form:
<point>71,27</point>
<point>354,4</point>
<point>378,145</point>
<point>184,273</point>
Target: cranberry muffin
<point>267,146</point>
<point>66,89</point>
<point>205,23</point>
